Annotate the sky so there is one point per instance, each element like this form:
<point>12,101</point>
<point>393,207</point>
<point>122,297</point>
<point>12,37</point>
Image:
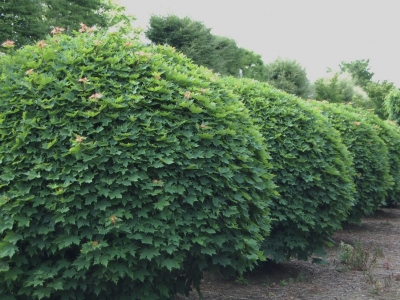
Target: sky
<point>319,34</point>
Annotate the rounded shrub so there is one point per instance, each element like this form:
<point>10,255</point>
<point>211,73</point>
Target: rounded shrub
<point>126,171</point>
<point>389,132</point>
<point>370,155</point>
<point>312,170</point>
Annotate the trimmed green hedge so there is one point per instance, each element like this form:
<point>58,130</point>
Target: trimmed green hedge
<point>126,171</point>
<point>389,132</point>
<point>313,170</point>
<point>391,136</point>
<point>370,155</point>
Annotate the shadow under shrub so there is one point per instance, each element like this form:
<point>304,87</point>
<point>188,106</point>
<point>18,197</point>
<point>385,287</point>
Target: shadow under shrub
<point>312,170</point>
<point>370,155</point>
<point>126,171</point>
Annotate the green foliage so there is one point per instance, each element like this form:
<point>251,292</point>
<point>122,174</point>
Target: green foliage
<point>195,40</point>
<point>354,84</point>
<point>26,22</point>
<point>345,252</point>
<point>177,32</point>
<point>126,171</point>
<point>389,132</point>
<point>377,92</point>
<point>251,65</point>
<point>312,170</point>
<point>19,21</point>
<point>359,70</point>
<point>392,105</point>
<point>357,258</point>
<point>370,155</point>
<point>341,88</point>
<point>288,76</point>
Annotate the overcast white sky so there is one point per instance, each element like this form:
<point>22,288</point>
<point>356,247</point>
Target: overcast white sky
<point>317,33</point>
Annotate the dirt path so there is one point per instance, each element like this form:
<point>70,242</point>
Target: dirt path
<point>379,238</point>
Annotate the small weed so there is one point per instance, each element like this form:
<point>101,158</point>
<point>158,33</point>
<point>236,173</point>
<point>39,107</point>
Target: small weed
<point>283,282</point>
<point>374,291</point>
<point>369,278</point>
<point>378,252</point>
<point>212,276</point>
<point>242,281</point>
<point>387,280</point>
<point>357,258</point>
<point>376,288</point>
<point>301,277</point>
<point>345,253</point>
<point>267,281</point>
<point>341,268</point>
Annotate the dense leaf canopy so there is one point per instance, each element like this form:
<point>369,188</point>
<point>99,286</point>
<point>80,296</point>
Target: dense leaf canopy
<point>312,170</point>
<point>126,171</point>
<point>370,155</point>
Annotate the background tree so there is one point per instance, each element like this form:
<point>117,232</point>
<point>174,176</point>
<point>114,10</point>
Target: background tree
<point>289,76</point>
<point>22,21</point>
<point>341,88</point>
<point>194,39</point>
<point>26,21</point>
<point>392,105</point>
<point>252,65</point>
<point>359,70</point>
<point>177,32</point>
<point>376,90</point>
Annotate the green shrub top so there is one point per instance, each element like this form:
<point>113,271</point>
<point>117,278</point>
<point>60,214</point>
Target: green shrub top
<point>126,171</point>
<point>370,155</point>
<point>312,168</point>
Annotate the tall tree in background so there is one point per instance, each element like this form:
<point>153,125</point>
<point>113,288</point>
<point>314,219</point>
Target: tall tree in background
<point>194,39</point>
<point>22,21</point>
<point>376,91</point>
<point>392,105</point>
<point>69,13</point>
<point>26,21</point>
<point>188,36</point>
<point>289,76</point>
<point>359,70</point>
<point>252,65</point>
<point>342,88</point>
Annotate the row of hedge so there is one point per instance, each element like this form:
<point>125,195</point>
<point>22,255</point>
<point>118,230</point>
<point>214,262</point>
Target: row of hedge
<point>126,171</point>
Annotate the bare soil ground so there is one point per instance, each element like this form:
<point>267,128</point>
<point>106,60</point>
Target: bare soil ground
<point>379,237</point>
